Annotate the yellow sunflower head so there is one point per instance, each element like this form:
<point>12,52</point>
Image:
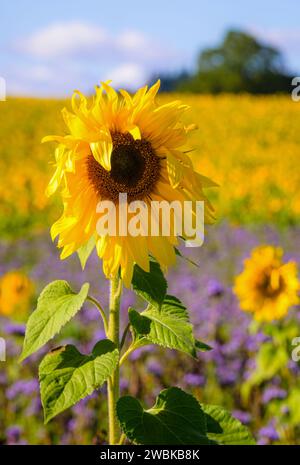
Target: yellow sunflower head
<point>267,287</point>
<point>121,143</point>
<point>16,293</point>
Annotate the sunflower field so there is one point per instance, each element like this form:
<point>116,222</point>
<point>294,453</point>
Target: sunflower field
<point>241,287</point>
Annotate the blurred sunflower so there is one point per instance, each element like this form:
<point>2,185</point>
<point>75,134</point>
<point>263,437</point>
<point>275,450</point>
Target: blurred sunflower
<point>267,287</point>
<point>122,144</point>
<point>16,292</point>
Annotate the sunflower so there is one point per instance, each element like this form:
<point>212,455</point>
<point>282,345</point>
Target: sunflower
<point>16,292</point>
<point>267,286</point>
<point>122,143</point>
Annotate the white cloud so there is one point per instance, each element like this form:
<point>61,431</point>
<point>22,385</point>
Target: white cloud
<point>75,39</point>
<point>63,39</point>
<point>128,75</point>
<point>135,45</point>
<point>74,54</point>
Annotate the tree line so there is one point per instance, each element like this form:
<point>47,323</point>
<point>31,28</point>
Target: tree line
<point>241,63</point>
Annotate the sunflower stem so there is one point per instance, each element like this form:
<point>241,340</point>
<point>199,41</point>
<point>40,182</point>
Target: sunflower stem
<point>114,380</point>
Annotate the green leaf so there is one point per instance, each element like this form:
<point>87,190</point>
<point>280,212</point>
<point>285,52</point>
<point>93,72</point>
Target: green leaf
<point>141,324</point>
<point>176,418</point>
<point>270,360</point>
<point>57,304</point>
<point>85,251</point>
<point>66,375</point>
<point>168,326</point>
<point>150,286</point>
<point>223,428</point>
<point>202,346</point>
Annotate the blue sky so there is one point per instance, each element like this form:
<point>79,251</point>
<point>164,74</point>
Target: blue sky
<point>51,48</point>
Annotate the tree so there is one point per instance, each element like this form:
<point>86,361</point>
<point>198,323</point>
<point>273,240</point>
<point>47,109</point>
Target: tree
<point>240,64</point>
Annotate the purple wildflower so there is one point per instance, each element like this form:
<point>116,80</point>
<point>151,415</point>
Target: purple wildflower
<point>269,432</point>
<point>22,387</point>
<point>13,434</point>
<point>242,416</point>
<point>273,392</point>
<point>215,288</point>
<point>193,379</point>
<point>16,329</point>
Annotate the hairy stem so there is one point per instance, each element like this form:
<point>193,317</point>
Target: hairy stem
<point>114,380</point>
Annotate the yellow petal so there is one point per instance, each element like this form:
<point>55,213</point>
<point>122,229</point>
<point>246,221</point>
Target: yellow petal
<point>136,133</point>
<point>175,171</point>
<point>102,153</point>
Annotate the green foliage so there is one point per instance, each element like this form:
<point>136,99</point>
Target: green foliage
<point>168,326</point>
<point>202,346</point>
<point>165,321</point>
<point>224,428</point>
<point>270,360</point>
<point>66,375</point>
<point>57,304</point>
<point>178,418</point>
<point>293,402</point>
<point>150,286</point>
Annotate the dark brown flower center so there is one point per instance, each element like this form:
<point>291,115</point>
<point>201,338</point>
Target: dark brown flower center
<point>127,166</point>
<point>267,288</point>
<point>134,170</point>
